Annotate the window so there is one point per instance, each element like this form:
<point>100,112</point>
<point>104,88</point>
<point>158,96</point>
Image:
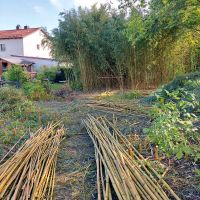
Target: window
<point>2,47</point>
<point>4,67</point>
<point>38,47</point>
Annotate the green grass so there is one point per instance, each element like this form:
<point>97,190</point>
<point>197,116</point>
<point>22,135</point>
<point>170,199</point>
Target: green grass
<point>56,86</point>
<point>19,115</point>
<point>130,95</point>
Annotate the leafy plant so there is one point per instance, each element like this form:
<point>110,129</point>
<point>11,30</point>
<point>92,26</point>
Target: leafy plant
<point>36,91</point>
<point>173,130</point>
<point>15,111</point>
<point>18,74</point>
<point>47,73</point>
<point>183,87</point>
<point>95,44</point>
<point>18,115</point>
<point>76,85</point>
<point>10,98</point>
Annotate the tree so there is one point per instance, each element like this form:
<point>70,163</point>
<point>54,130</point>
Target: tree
<point>94,41</point>
<point>156,40</point>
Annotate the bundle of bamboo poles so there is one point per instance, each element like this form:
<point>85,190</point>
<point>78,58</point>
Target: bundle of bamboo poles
<point>30,172</point>
<point>121,167</point>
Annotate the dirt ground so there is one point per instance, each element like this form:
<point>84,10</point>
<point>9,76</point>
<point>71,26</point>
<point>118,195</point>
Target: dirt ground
<point>76,167</point>
<point>76,176</point>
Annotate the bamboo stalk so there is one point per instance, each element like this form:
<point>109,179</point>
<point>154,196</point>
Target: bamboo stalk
<point>156,153</point>
<point>131,176</point>
<point>30,172</point>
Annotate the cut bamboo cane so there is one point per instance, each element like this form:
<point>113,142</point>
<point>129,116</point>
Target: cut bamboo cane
<point>30,172</point>
<point>131,176</point>
<point>156,153</point>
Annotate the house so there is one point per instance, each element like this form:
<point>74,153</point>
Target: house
<point>23,46</point>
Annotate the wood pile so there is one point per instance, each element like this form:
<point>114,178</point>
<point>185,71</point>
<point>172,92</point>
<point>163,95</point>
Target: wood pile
<point>30,172</point>
<point>121,170</point>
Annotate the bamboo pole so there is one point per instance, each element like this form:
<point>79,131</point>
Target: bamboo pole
<point>131,176</point>
<point>30,172</point>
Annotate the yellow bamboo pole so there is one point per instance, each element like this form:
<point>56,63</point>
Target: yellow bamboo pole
<point>127,170</point>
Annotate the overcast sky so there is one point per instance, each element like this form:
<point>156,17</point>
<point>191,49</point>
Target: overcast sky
<point>37,13</point>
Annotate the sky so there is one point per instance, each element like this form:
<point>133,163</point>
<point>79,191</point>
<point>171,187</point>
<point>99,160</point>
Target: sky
<point>38,13</point>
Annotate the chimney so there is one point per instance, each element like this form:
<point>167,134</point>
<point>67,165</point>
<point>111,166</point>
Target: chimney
<point>26,27</point>
<point>18,27</point>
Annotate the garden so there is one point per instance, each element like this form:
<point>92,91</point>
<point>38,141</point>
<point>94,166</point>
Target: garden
<point>121,117</point>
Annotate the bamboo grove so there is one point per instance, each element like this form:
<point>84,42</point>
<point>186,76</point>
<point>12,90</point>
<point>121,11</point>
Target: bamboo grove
<point>146,43</point>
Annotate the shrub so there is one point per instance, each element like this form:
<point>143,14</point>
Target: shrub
<point>19,115</point>
<point>14,102</point>
<point>15,111</point>
<point>188,83</point>
<point>10,98</point>
<point>173,128</point>
<point>47,72</point>
<point>18,74</point>
<point>36,90</point>
<point>76,85</point>
<point>11,132</point>
<point>56,74</point>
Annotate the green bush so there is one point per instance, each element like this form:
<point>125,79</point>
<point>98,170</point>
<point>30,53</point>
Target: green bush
<point>18,74</point>
<point>47,73</point>
<point>56,74</point>
<point>173,128</point>
<point>76,85</point>
<point>14,102</point>
<point>11,132</point>
<point>16,114</point>
<point>36,90</point>
<point>188,83</point>
<point>10,98</point>
<point>19,115</point>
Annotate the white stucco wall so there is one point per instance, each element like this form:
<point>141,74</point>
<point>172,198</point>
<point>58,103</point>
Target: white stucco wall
<point>30,45</point>
<point>39,62</point>
<point>13,47</point>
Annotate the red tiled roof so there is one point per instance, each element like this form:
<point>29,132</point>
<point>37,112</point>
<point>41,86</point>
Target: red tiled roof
<point>15,34</point>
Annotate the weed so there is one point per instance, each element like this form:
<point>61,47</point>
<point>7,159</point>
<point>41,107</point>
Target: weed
<point>18,74</point>
<point>113,96</point>
<point>36,91</point>
<point>18,115</point>
<point>173,128</point>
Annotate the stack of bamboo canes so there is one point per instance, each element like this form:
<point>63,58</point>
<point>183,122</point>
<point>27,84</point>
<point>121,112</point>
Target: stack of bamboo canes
<point>121,167</point>
<point>30,173</point>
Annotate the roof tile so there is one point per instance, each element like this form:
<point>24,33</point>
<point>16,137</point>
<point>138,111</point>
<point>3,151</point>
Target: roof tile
<point>16,34</point>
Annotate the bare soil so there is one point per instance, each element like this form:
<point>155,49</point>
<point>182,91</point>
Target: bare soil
<point>76,175</point>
